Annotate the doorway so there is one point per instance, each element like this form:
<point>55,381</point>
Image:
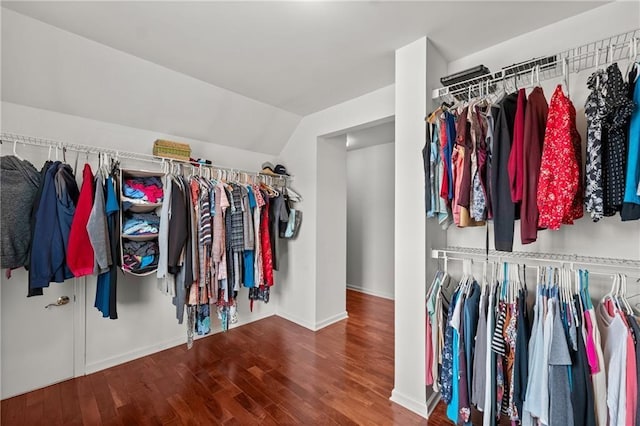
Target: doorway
<point>370,210</point>
<point>376,173</point>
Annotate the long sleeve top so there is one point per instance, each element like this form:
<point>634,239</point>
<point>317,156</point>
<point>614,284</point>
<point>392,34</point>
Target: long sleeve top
<point>504,213</point>
<point>516,156</point>
<point>80,256</point>
<point>535,123</point>
<point>559,187</point>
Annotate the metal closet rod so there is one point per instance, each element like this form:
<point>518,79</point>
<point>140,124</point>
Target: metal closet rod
<point>570,259</point>
<point>462,259</point>
<point>89,149</point>
<point>586,53</point>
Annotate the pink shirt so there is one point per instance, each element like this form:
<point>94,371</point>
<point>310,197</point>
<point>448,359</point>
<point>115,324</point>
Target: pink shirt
<point>631,381</point>
<point>429,356</point>
<point>592,354</point>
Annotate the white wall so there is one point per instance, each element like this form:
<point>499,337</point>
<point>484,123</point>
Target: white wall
<point>49,68</point>
<point>610,237</point>
<point>413,235</point>
<point>299,276</point>
<point>146,320</point>
<point>331,231</point>
<point>370,219</point>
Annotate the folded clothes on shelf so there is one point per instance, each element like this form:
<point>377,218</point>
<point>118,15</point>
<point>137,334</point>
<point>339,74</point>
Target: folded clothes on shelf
<point>144,188</point>
<point>140,256</point>
<point>141,224</point>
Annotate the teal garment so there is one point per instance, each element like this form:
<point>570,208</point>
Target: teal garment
<point>288,233</point>
<point>249,255</point>
<point>633,154</point>
<point>452,407</point>
<point>249,270</point>
<point>105,291</point>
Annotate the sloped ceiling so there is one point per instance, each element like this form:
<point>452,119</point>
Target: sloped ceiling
<point>237,73</point>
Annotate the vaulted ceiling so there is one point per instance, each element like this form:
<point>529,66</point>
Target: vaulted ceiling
<point>261,64</point>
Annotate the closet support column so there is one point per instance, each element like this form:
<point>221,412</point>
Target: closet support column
<point>418,66</point>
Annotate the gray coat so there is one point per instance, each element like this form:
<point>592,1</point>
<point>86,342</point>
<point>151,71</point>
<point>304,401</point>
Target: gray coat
<point>19,181</point>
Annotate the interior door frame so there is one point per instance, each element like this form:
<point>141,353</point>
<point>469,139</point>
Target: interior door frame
<point>79,326</point>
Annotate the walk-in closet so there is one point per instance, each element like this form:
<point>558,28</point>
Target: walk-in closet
<point>320,212</point>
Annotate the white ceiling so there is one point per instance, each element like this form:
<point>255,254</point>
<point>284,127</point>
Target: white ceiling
<point>297,56</point>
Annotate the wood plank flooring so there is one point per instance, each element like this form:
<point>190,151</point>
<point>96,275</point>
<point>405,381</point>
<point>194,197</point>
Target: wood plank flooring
<point>268,372</point>
<point>439,417</point>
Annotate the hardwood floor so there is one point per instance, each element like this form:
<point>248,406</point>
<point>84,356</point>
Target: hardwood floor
<point>439,417</point>
<point>268,372</point>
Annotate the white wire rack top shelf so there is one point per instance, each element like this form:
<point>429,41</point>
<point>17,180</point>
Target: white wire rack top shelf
<point>520,256</point>
<point>612,49</point>
<point>90,149</point>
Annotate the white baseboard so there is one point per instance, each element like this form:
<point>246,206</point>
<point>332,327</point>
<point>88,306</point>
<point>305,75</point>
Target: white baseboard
<point>432,402</point>
<point>296,320</point>
<point>370,292</point>
<point>103,364</point>
<point>418,407</point>
<point>317,326</point>
<point>151,349</point>
<point>331,320</point>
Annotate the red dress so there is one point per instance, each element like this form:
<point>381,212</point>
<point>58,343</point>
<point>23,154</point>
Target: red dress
<point>560,196</point>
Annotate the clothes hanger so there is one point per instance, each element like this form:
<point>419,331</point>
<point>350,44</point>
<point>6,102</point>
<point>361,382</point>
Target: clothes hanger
<point>624,295</point>
<point>633,54</point>
<point>565,76</point>
<point>15,151</point>
<point>616,285</point>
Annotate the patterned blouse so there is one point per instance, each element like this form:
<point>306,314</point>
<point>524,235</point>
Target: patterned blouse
<point>619,109</point>
<point>595,110</point>
<point>560,185</point>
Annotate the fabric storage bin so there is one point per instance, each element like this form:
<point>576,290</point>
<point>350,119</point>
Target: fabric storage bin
<point>169,149</point>
<point>141,196</point>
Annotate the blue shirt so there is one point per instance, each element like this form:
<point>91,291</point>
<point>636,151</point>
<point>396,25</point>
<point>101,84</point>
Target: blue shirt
<point>633,156</point>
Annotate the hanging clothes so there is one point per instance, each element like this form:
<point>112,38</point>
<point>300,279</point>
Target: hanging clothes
<point>516,156</point>
<point>53,217</point>
<point>464,159</point>
<point>535,123</point>
<point>560,407</point>
<point>595,111</point>
<point>559,197</point>
<point>479,207</point>
<point>19,183</point>
<point>80,251</point>
<point>428,174</point>
<point>106,291</point>
<point>97,228</point>
<point>614,336</point>
<point>504,210</point>
<point>619,109</point>
<point>631,205</point>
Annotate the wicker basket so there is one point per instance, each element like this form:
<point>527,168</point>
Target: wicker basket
<point>170,149</point>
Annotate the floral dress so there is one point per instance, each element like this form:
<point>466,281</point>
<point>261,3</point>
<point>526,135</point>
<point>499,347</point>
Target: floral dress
<point>559,197</point>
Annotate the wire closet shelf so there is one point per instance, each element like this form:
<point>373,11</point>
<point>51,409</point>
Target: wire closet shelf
<point>574,60</point>
<point>14,138</point>
<point>570,260</point>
